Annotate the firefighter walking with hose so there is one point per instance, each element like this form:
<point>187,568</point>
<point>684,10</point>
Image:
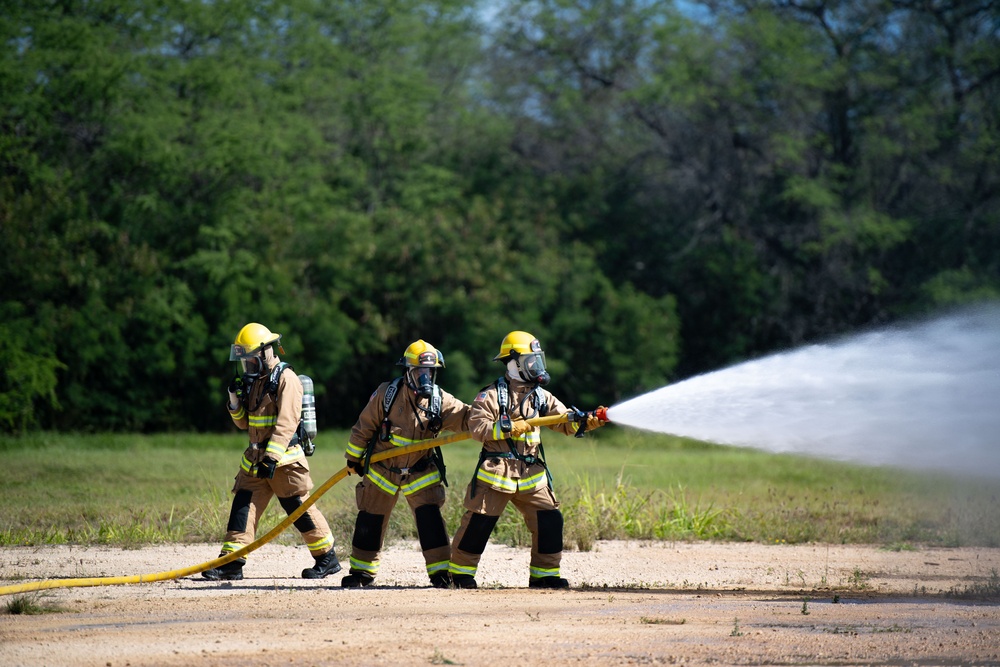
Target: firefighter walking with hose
<point>407,409</point>
<point>265,399</point>
<point>512,465</point>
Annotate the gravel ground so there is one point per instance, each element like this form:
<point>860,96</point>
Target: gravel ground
<point>631,603</point>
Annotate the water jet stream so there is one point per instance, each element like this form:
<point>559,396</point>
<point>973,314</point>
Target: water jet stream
<point>921,396</point>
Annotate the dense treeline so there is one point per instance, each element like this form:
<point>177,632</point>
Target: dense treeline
<point>654,190</point>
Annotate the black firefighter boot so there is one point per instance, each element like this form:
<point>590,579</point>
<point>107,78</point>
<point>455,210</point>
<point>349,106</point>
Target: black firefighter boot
<point>357,579</point>
<point>547,582</point>
<point>325,564</point>
<point>232,571</point>
<point>441,579</point>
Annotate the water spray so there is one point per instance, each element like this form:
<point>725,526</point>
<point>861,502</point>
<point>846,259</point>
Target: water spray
<point>922,396</point>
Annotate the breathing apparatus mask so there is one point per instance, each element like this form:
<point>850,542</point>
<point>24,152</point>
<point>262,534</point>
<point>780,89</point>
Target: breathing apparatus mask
<point>421,360</point>
<point>421,380</point>
<point>528,368</point>
<point>252,364</point>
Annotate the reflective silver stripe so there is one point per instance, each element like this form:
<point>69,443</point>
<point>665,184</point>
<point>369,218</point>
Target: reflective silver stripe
<point>382,483</point>
<point>461,569</point>
<point>364,566</point>
<point>497,481</point>
<point>538,572</point>
<point>421,483</point>
<point>440,566</point>
<point>322,545</point>
<point>263,421</point>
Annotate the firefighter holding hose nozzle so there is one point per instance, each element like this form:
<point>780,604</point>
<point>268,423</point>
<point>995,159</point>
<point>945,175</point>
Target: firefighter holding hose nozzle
<point>512,465</point>
<point>266,401</point>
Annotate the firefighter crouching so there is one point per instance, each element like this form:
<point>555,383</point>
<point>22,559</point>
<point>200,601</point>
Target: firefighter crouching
<point>512,465</point>
<point>400,412</point>
<point>266,401</point>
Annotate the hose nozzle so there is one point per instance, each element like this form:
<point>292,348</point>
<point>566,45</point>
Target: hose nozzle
<point>578,415</point>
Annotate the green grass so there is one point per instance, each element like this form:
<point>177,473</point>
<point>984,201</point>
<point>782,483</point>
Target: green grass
<point>131,490</point>
<point>30,605</point>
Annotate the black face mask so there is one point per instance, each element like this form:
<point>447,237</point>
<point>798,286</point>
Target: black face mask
<point>423,384</point>
<point>532,369</point>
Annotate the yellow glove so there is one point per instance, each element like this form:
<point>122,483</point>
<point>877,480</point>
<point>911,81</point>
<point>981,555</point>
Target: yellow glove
<point>519,427</point>
<point>593,421</point>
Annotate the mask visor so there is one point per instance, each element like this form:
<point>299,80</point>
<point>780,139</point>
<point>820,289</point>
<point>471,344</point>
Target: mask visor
<point>422,381</point>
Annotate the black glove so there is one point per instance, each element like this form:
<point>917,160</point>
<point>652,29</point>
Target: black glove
<point>357,467</point>
<point>236,386</point>
<point>235,392</point>
<point>265,469</point>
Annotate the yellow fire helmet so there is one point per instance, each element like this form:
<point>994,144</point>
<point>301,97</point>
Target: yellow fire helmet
<point>517,343</point>
<point>251,339</point>
<point>421,354</point>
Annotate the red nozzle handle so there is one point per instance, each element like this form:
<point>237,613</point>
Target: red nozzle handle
<point>602,414</point>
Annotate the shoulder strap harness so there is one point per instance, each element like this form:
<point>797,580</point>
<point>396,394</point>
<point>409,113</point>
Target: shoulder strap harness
<point>273,380</point>
<point>503,398</point>
<point>385,428</point>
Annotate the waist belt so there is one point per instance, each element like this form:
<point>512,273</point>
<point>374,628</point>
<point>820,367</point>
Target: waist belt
<point>419,466</point>
<point>527,458</point>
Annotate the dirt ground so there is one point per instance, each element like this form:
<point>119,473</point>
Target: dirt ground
<point>631,603</point>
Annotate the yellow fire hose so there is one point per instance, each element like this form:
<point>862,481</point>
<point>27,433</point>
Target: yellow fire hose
<point>261,541</point>
<point>222,560</point>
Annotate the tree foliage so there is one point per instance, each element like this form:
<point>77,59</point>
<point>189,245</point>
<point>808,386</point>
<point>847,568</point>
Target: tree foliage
<point>652,189</point>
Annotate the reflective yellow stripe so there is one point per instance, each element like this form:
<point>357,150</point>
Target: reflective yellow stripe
<point>239,414</point>
<point>498,481</point>
<point>263,421</point>
<point>539,572</point>
<point>421,483</point>
<point>322,545</point>
<point>533,482</point>
<point>462,569</point>
<point>230,547</point>
<point>400,441</point>
<point>355,451</point>
<point>382,483</point>
<point>275,451</point>
<point>440,566</point>
<point>364,566</point>
<point>293,453</point>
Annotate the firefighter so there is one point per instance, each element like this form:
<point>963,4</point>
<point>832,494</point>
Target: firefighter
<point>407,409</point>
<point>266,401</point>
<point>512,465</point>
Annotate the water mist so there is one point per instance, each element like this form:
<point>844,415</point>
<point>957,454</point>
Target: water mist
<point>922,396</point>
